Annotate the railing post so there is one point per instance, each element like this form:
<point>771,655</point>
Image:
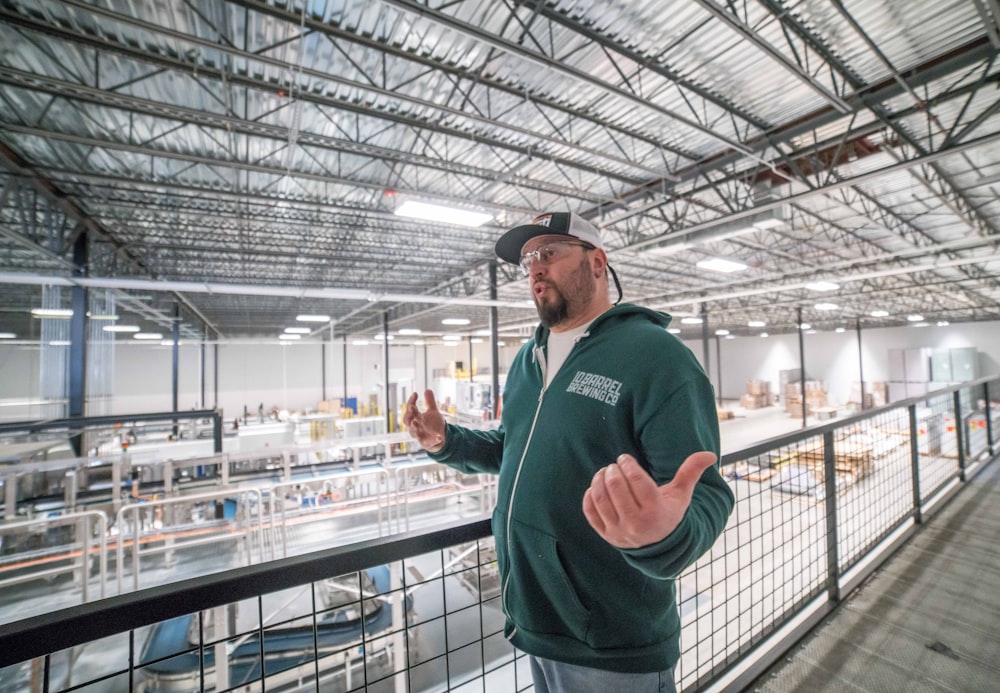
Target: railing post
<point>830,485</point>
<point>217,431</point>
<point>918,514</point>
<point>959,441</point>
<point>989,418</point>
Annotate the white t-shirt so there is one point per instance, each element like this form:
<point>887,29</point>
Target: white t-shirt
<point>559,346</point>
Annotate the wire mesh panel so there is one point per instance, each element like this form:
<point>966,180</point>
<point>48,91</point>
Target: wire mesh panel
<point>769,561</point>
<point>973,416</point>
<point>937,446</point>
<point>873,469</point>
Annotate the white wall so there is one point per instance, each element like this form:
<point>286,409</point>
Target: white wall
<point>833,357</point>
<point>290,376</point>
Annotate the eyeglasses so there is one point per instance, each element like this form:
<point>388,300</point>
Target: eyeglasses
<point>547,254</point>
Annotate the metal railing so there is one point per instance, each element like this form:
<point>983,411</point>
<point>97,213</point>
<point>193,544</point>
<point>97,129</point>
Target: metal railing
<point>816,513</point>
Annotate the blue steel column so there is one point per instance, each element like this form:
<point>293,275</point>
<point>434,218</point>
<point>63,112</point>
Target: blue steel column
<point>78,341</point>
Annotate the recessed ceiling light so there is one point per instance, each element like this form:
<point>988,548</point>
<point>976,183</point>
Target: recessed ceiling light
<point>409,330</point>
<point>120,328</point>
<point>691,321</point>
<point>826,306</point>
<point>147,335</point>
<point>915,318</point>
<point>879,313</point>
<point>822,286</point>
<point>441,213</point>
<point>756,323</point>
<point>455,321</point>
<point>312,318</point>
<point>721,333</point>
<point>297,330</point>
<point>718,264</point>
<point>52,312</point>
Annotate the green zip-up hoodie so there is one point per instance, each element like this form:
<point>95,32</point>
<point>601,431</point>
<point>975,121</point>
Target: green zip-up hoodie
<point>627,386</point>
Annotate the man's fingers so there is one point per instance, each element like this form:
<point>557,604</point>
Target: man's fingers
<point>591,513</point>
<point>411,409</point>
<point>640,484</point>
<point>429,399</point>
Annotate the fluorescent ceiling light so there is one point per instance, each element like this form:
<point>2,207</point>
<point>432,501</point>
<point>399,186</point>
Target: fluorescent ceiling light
<point>360,342</point>
<point>170,343</point>
<point>805,326</point>
<point>455,321</point>
<point>525,340</point>
<point>501,343</point>
<point>730,336</point>
<point>718,264</point>
<point>452,337</point>
<point>147,335</point>
<point>721,333</point>
<point>285,335</point>
<point>297,330</point>
<point>419,342</point>
<point>120,328</point>
<point>8,335</point>
<point>52,312</point>
<point>840,330</point>
<point>756,323</point>
<point>941,323</point>
<point>880,313</point>
<point>826,306</point>
<point>409,330</point>
<point>441,213</point>
<point>312,318</point>
<point>922,324</point>
<point>810,331</point>
<point>822,286</point>
<point>763,334</point>
<point>915,318</point>
<point>476,340</point>
<point>673,330</point>
<point>483,333</point>
<point>99,316</point>
<point>59,342</point>
<point>691,321</point>
<point>381,337</point>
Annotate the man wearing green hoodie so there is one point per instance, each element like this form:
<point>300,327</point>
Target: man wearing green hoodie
<point>608,484</point>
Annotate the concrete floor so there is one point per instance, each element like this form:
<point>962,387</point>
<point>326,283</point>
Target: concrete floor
<point>925,621</point>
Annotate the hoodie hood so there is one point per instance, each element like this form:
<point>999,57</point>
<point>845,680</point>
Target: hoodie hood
<point>623,311</point>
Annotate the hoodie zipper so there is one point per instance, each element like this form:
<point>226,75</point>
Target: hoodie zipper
<point>539,354</point>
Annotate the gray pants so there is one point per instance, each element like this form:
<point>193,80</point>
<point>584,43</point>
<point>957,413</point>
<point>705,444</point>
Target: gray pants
<point>558,677</point>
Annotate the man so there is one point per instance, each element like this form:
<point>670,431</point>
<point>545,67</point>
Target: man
<point>608,487</point>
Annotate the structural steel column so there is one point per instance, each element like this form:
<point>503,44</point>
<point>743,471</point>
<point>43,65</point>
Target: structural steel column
<point>704,342</point>
<point>494,345</point>
<point>78,340</point>
<point>802,362</point>
<point>385,361</point>
<point>861,369</point>
<point>175,369</point>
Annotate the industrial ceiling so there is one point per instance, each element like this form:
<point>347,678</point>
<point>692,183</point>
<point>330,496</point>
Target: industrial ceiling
<point>231,165</point>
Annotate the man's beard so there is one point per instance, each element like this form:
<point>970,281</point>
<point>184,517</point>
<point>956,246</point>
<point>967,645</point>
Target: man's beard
<point>572,298</point>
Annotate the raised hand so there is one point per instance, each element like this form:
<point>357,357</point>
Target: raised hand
<point>426,427</point>
<point>626,507</point>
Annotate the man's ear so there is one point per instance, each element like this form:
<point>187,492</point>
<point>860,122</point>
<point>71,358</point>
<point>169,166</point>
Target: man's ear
<point>600,263</point>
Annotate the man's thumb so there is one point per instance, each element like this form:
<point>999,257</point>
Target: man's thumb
<point>691,470</point>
